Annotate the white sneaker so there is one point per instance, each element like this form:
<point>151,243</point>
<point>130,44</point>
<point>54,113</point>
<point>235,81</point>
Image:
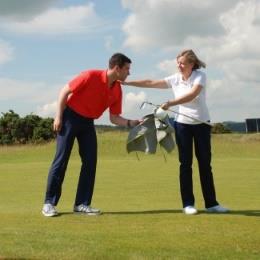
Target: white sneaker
<point>217,209</point>
<point>86,210</point>
<point>190,210</point>
<point>49,210</point>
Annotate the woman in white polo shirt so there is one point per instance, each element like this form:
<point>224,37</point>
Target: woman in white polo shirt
<point>189,87</point>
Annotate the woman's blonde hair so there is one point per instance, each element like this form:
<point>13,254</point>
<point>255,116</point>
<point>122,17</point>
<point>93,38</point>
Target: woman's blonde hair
<point>192,58</point>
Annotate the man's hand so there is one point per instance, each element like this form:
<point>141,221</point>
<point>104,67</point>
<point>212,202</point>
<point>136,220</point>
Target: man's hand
<point>57,124</point>
<point>118,120</point>
<point>133,123</point>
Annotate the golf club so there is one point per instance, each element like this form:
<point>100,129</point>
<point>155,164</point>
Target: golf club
<point>143,105</point>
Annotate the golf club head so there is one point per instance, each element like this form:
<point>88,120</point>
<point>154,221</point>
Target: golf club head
<point>160,113</point>
<point>143,105</point>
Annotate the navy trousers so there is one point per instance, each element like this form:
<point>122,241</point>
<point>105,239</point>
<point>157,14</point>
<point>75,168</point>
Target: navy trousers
<point>74,126</point>
<point>200,135</point>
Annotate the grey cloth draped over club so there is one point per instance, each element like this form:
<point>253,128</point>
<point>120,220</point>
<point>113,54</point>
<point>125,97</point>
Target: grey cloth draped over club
<point>145,136</point>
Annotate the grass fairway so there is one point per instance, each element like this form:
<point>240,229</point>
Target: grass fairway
<point>141,205</point>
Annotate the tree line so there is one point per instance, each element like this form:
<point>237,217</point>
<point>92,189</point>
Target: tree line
<point>21,130</point>
<point>34,129</point>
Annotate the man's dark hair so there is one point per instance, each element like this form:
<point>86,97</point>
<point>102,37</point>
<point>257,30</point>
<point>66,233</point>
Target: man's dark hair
<point>118,59</point>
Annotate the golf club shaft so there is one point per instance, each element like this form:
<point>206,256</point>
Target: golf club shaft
<point>179,113</point>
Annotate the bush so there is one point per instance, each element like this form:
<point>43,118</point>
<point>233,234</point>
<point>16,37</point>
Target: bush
<point>219,128</point>
<point>43,131</point>
<point>31,128</point>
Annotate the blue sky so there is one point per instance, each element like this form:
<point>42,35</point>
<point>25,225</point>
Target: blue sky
<point>43,44</point>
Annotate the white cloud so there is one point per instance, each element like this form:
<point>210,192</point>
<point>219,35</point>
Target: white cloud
<point>224,34</point>
<point>133,101</point>
<point>167,66</point>
<point>25,9</point>
<point>6,52</point>
<point>47,110</point>
<point>170,22</point>
<point>72,19</point>
<point>17,93</point>
<point>29,91</point>
<point>242,33</point>
<point>218,30</point>
<point>235,102</point>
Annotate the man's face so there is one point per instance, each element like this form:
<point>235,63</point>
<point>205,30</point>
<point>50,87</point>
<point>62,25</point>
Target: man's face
<point>123,72</point>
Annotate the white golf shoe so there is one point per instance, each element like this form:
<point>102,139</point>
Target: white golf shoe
<point>217,209</point>
<point>190,210</point>
<point>49,210</point>
<point>88,210</point>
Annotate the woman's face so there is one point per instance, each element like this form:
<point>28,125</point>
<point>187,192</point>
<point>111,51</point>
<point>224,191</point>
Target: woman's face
<point>184,66</point>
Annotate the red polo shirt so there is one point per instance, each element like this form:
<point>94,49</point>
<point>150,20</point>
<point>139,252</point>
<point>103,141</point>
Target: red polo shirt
<point>91,95</point>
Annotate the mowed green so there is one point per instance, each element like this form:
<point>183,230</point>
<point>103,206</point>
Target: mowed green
<point>140,200</point>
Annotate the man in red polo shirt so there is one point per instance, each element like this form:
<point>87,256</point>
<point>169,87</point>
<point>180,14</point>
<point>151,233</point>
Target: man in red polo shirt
<point>81,101</point>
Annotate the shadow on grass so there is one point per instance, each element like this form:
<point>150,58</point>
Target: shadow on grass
<point>143,212</point>
<point>252,213</point>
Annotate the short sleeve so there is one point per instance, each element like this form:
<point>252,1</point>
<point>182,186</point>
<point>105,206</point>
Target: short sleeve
<point>170,81</point>
<point>116,107</point>
<point>79,81</point>
<point>200,79</point>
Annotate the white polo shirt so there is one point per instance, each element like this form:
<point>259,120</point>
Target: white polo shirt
<point>196,108</point>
